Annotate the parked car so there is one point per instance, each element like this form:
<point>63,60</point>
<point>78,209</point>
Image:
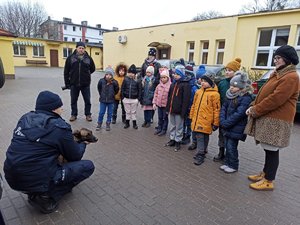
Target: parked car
<point>259,83</point>
<point>2,76</point>
<point>219,70</point>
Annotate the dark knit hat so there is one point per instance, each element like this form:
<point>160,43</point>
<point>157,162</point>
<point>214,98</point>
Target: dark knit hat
<point>200,72</point>
<point>48,101</point>
<point>152,51</point>
<point>80,43</point>
<point>289,53</point>
<point>189,70</point>
<point>132,69</point>
<point>234,65</point>
<point>209,78</point>
<point>240,80</point>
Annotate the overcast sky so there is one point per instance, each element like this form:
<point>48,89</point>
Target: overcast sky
<point>135,13</point>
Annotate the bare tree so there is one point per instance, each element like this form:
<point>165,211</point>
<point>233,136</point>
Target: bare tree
<point>22,19</point>
<point>207,15</point>
<point>267,5</point>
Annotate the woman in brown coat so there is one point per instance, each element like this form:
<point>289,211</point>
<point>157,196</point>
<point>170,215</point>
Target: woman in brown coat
<point>272,114</point>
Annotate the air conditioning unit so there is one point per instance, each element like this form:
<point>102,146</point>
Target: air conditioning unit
<point>122,39</point>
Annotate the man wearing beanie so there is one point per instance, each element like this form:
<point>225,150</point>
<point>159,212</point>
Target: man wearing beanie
<point>32,165</point>
<point>223,86</point>
<point>151,61</point>
<point>271,116</point>
<point>77,76</point>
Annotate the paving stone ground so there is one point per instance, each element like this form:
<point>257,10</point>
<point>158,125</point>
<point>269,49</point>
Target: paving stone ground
<point>139,181</point>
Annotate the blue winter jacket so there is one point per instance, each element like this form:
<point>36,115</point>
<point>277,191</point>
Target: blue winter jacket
<point>233,118</point>
<point>31,159</point>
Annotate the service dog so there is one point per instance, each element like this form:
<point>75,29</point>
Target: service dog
<point>81,135</point>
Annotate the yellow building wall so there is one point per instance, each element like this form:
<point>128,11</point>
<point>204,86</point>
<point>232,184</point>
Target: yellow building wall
<point>239,32</point>
<point>95,52</point>
<point>6,54</point>
<point>247,33</point>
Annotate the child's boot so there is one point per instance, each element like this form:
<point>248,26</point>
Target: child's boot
<point>114,120</point>
<point>134,125</point>
<point>107,127</point>
<point>256,177</point>
<point>220,156</point>
<point>177,146</point>
<point>99,126</point>
<point>124,119</point>
<point>263,185</point>
<point>193,146</point>
<point>126,124</point>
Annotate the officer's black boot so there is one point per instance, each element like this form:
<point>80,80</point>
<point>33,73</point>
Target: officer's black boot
<point>220,156</point>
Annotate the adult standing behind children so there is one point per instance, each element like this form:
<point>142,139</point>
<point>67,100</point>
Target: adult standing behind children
<point>121,71</point>
<point>32,165</point>
<point>205,112</point>
<point>233,118</point>
<point>271,116</point>
<point>160,101</point>
<point>151,61</point>
<point>178,105</point>
<point>223,86</point>
<point>107,88</point>
<point>77,75</point>
<point>131,95</point>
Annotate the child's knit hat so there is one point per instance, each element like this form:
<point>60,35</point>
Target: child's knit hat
<point>240,80</point>
<point>132,69</point>
<point>164,72</point>
<point>234,65</point>
<point>209,77</point>
<point>200,72</point>
<point>180,70</point>
<point>150,69</point>
<point>109,71</point>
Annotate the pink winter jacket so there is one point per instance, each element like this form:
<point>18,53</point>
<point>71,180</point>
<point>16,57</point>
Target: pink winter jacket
<point>161,94</point>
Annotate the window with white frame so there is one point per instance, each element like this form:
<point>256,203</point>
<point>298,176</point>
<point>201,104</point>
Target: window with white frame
<point>38,51</point>
<point>73,39</point>
<point>204,51</point>
<point>74,28</point>
<point>65,27</point>
<point>220,51</point>
<point>65,38</point>
<point>67,52</point>
<point>191,51</point>
<point>269,40</point>
<point>19,50</point>
<point>298,45</point>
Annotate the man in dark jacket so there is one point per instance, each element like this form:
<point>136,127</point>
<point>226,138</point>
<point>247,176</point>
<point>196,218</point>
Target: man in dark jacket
<point>32,165</point>
<point>77,74</point>
<point>151,61</point>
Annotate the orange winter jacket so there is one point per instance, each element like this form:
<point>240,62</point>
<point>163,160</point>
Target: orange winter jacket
<point>205,111</point>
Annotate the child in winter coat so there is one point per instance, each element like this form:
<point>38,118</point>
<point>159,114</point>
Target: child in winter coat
<point>197,85</point>
<point>160,101</point>
<point>177,106</point>
<point>107,89</point>
<point>223,86</point>
<point>205,114</point>
<point>148,88</point>
<point>233,118</point>
<point>131,93</point>
<point>121,71</point>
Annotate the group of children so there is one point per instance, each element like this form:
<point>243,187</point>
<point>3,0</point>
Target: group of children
<point>188,102</point>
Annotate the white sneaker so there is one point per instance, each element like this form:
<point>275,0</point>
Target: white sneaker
<point>229,170</point>
<point>223,167</point>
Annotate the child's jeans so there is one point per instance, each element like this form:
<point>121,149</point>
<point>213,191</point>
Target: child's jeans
<point>176,127</point>
<point>130,106</point>
<point>232,154</point>
<point>162,119</point>
<point>148,115</point>
<point>103,107</point>
<point>202,143</point>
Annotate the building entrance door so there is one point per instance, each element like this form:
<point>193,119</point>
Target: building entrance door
<point>53,58</point>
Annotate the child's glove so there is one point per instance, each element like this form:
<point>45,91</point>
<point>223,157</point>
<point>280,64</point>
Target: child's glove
<point>154,107</point>
<point>214,127</point>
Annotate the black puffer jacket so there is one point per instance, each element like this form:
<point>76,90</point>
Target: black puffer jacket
<point>78,71</point>
<point>31,159</point>
<point>179,98</point>
<point>107,90</point>
<point>131,89</point>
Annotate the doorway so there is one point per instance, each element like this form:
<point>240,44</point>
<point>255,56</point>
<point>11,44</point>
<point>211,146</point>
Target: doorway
<point>53,58</point>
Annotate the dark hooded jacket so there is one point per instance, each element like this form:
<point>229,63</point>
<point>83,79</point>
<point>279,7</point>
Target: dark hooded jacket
<point>32,157</point>
<point>78,71</point>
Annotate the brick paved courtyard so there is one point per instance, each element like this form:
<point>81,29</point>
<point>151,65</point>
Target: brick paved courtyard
<point>139,181</point>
